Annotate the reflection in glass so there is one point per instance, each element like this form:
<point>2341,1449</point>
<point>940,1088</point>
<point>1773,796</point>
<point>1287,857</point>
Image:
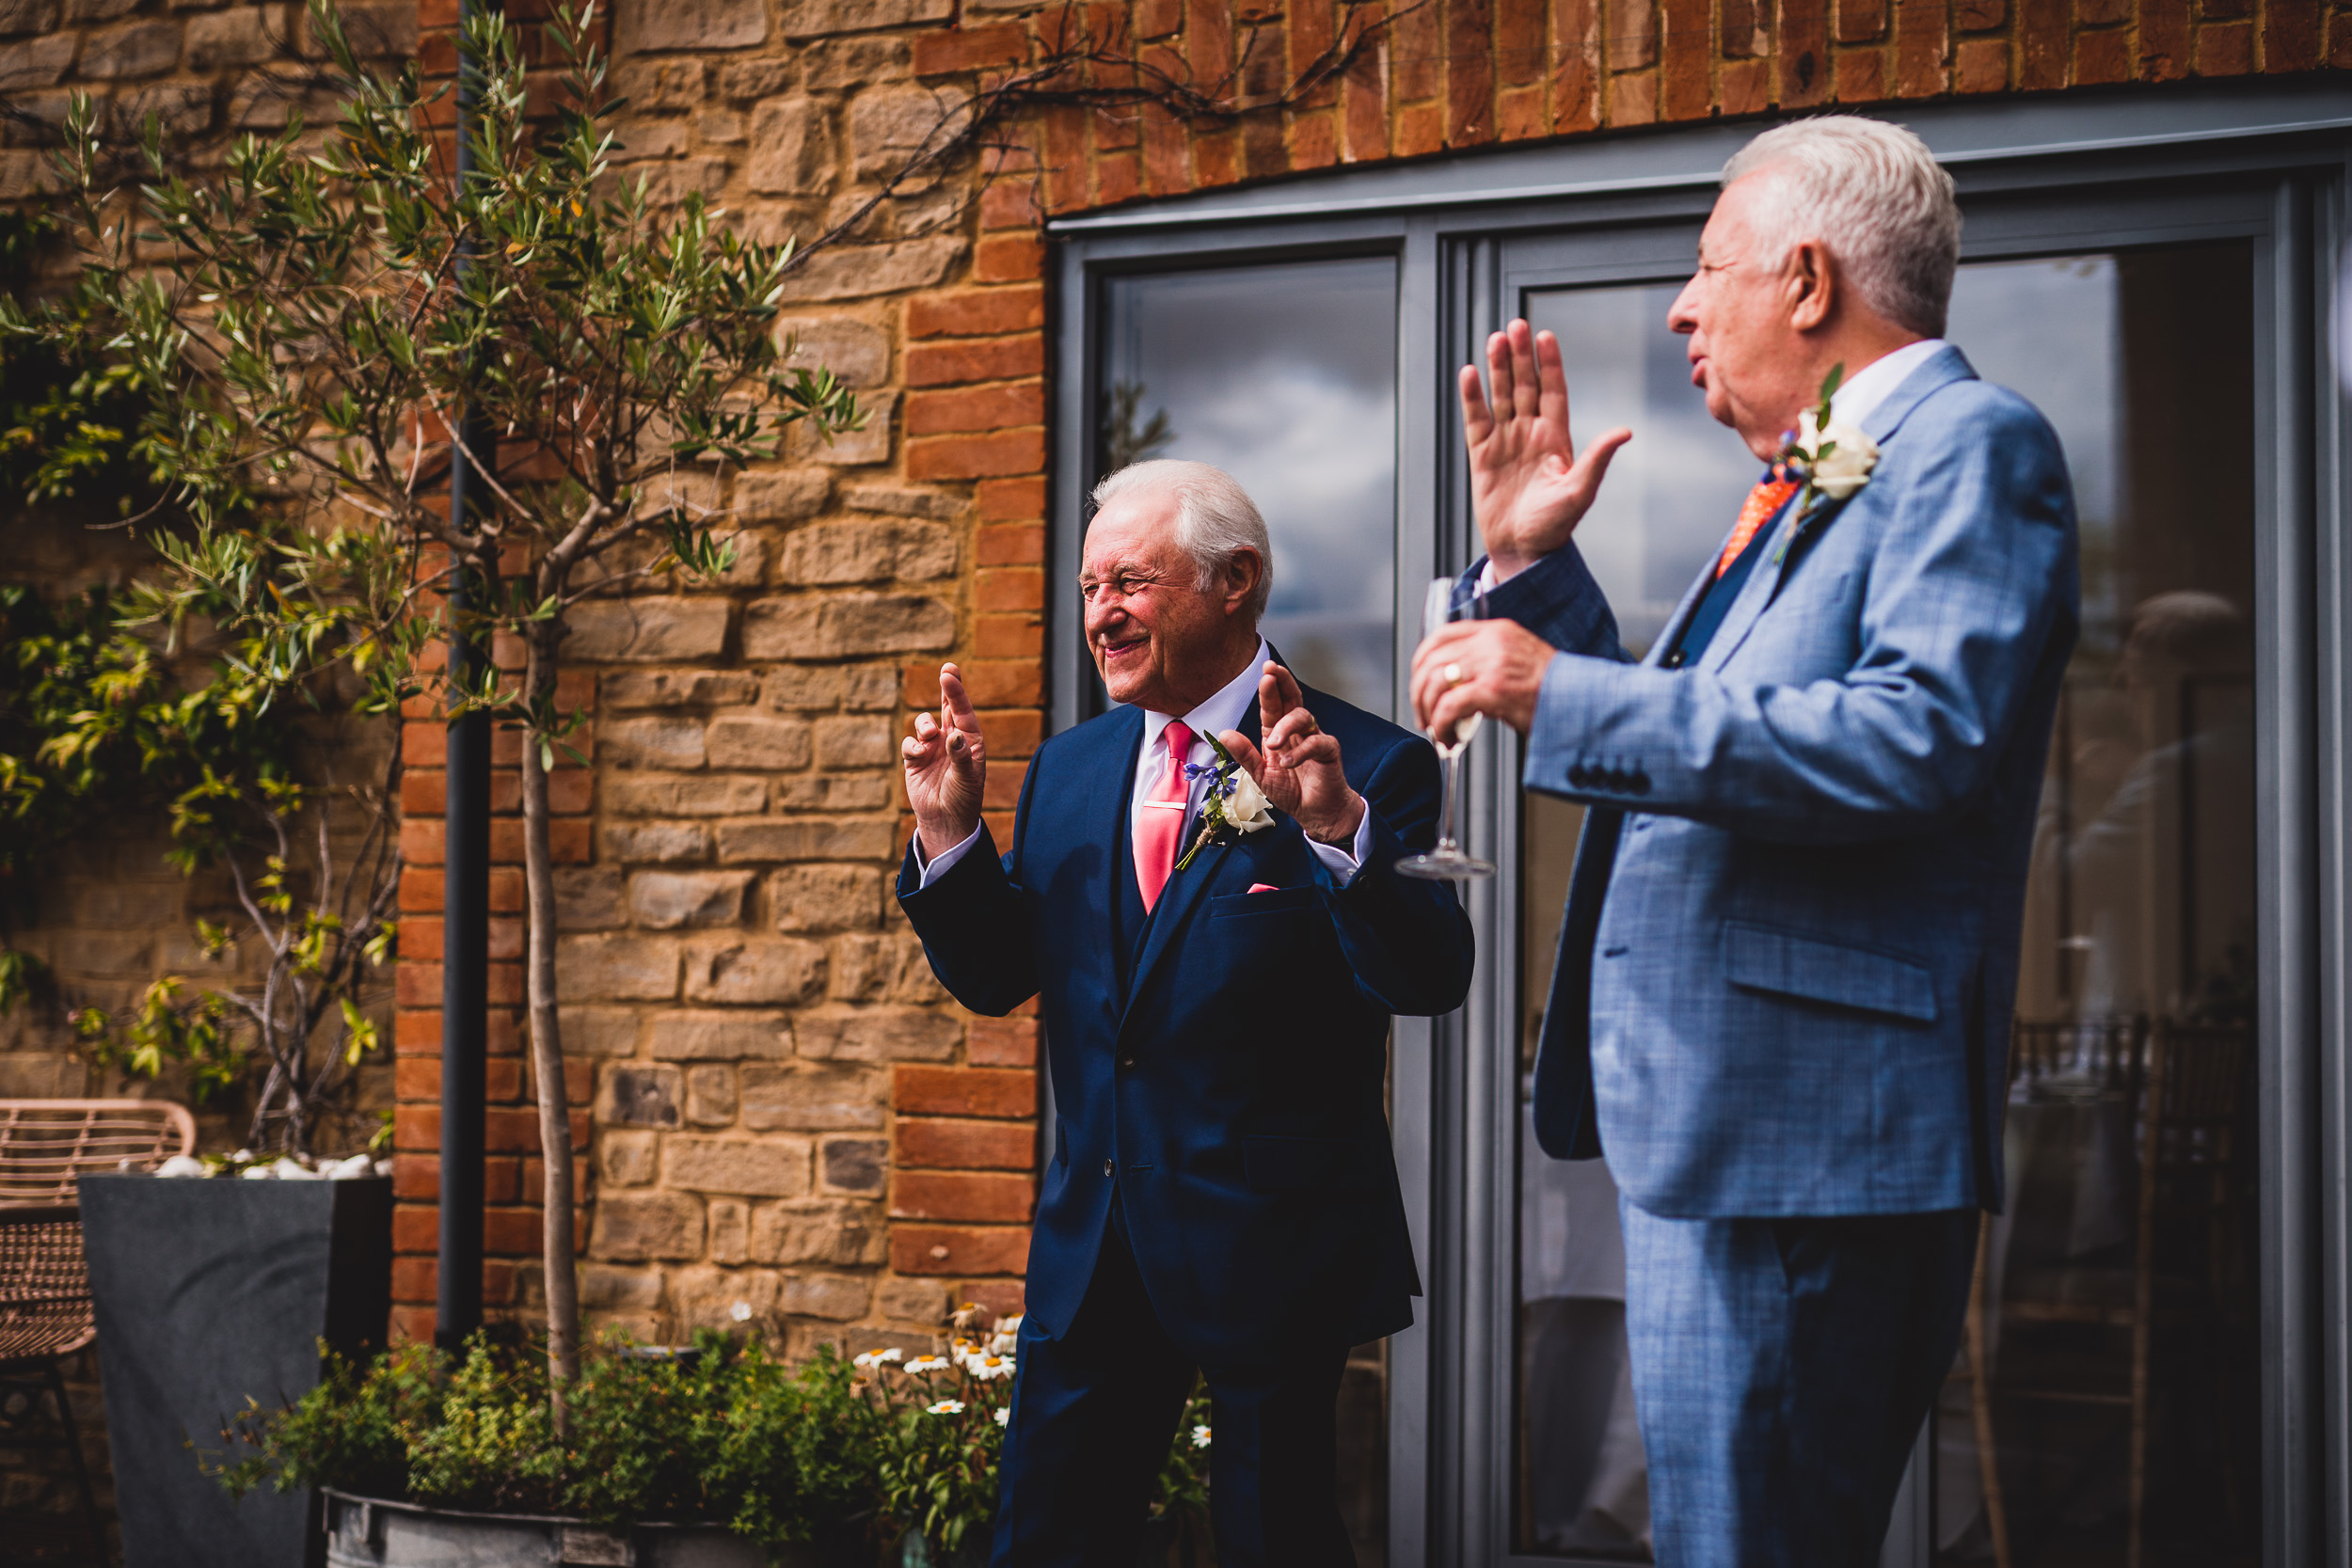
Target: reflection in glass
<point>2115,1317</point>
<point>1285,377</point>
<point>2116,1314</point>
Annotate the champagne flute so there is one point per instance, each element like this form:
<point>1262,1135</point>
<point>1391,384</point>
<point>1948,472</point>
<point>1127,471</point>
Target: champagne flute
<point>1447,863</point>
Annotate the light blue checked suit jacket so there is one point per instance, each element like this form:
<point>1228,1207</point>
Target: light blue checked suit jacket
<point>1789,953</point>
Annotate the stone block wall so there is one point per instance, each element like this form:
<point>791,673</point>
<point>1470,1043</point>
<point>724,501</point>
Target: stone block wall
<point>750,1023</point>
<point>782,1112</point>
<point>113,916</point>
<point>204,68</point>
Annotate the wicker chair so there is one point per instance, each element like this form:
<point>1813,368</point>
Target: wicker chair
<point>45,1313</point>
<point>46,1144</point>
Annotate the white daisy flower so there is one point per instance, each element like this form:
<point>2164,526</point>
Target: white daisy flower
<point>740,1311</point>
<point>1004,1415</point>
<point>945,1407</point>
<point>873,1360</point>
<point>926,1364</point>
<point>988,1368</point>
<point>1199,1437</point>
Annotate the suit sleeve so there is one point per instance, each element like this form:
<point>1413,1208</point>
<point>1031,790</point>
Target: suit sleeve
<point>1558,600</point>
<point>1407,941</point>
<point>1972,593</point>
<point>974,924</point>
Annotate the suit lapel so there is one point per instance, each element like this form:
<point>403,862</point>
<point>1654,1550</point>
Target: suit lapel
<point>1788,545</point>
<point>1184,892</point>
<point>1114,825</point>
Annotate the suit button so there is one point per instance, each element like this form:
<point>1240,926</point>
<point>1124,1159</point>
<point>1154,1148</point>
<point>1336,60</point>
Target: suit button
<point>1641,781</point>
<point>1579,776</point>
<point>1126,1064</point>
<point>1106,1167</point>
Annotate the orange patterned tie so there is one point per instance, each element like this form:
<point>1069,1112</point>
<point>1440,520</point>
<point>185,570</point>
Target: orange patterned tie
<point>1771,494</point>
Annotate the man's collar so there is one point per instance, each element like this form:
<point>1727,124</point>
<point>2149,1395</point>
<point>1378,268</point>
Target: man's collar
<point>1223,711</point>
<point>1858,396</point>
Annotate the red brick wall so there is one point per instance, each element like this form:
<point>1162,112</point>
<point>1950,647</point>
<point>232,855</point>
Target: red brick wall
<point>1452,74</point>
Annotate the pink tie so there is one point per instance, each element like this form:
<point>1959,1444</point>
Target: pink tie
<point>1160,826</point>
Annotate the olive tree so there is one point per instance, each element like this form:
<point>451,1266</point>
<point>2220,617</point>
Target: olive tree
<point>313,319</point>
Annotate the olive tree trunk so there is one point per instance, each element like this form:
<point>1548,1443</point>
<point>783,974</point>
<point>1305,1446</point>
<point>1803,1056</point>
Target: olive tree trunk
<point>547,1037</point>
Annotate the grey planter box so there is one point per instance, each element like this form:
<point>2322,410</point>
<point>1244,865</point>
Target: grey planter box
<point>209,1292</point>
<point>364,1533</point>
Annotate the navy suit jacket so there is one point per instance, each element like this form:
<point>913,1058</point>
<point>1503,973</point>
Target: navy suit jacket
<point>1222,1061</point>
<point>1790,952</point>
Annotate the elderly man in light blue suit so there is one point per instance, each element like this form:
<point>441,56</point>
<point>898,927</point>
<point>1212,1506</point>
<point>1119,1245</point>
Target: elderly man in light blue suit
<point>1782,995</point>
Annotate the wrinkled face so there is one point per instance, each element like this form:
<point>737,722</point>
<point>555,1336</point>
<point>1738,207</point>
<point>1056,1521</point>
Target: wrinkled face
<point>1154,634</point>
<point>1745,355</point>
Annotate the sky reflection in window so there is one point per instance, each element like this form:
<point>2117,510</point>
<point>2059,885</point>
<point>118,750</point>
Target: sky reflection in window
<point>1285,377</point>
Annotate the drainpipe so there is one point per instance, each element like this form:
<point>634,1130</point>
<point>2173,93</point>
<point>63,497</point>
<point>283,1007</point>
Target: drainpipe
<point>464,906</point>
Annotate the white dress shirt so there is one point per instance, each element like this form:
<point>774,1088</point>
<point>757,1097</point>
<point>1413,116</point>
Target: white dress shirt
<point>1857,397</point>
<point>1223,711</point>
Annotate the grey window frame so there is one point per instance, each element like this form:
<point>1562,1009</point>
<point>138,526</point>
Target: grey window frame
<point>2132,167</point>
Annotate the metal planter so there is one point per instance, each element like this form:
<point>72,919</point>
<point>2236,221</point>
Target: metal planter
<point>209,1292</point>
<point>366,1533</point>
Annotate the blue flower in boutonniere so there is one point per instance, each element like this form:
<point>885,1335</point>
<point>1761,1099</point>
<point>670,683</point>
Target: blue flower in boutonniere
<point>1235,803</point>
<point>1833,459</point>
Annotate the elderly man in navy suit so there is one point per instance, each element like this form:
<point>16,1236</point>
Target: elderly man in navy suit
<point>1217,947</point>
<point>1781,1003</point>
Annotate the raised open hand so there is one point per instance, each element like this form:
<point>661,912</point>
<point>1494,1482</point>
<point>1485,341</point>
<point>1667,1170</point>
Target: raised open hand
<point>1299,765</point>
<point>1529,487</point>
<point>946,764</point>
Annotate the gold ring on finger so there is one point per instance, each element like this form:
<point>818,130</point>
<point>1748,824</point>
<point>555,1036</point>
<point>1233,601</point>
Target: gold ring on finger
<point>1452,674</point>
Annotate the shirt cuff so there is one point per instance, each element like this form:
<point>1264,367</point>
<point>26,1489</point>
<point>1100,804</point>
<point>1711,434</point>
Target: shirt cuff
<point>1343,863</point>
<point>933,870</point>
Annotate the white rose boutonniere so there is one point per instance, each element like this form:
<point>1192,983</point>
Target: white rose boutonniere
<point>1833,458</point>
<point>1235,803</point>
<point>1838,459</point>
<point>1246,805</point>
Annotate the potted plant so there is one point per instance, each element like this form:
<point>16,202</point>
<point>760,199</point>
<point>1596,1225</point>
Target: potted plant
<point>941,1433</point>
<point>301,328</point>
<point>718,1455</point>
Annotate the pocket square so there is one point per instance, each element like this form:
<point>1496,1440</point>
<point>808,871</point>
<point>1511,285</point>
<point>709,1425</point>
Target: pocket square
<point>1262,887</point>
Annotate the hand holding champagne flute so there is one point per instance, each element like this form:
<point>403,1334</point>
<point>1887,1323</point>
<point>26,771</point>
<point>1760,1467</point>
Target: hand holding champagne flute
<point>1447,861</point>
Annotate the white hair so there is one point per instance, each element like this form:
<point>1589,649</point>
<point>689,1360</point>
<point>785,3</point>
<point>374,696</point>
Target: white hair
<point>1216,520</point>
<point>1876,197</point>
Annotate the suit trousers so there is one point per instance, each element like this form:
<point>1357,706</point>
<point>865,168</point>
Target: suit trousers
<point>1095,1408</point>
<point>1781,1369</point>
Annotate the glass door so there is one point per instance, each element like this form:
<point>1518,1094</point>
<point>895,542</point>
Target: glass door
<point>2154,1370</point>
<point>2106,1407</point>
